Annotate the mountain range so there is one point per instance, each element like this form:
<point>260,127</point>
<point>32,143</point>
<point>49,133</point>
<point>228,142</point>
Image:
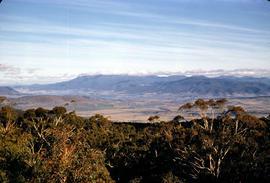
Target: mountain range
<point>223,86</point>
<point>5,90</point>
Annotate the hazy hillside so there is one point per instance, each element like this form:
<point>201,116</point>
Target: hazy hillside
<point>214,87</point>
<point>105,82</point>
<point>8,91</point>
<point>138,85</point>
<point>248,79</point>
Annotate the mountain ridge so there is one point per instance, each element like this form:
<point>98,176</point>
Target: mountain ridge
<point>177,84</point>
<point>6,90</point>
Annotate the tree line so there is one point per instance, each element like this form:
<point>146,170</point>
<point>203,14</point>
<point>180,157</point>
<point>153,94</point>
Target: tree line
<point>219,143</point>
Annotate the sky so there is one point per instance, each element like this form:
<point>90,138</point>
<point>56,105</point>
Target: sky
<point>46,41</point>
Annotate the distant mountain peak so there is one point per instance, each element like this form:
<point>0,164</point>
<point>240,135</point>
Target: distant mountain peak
<point>176,84</point>
<point>5,90</point>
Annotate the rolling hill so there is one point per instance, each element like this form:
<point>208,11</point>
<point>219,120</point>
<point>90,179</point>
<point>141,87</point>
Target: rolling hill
<point>177,85</point>
<point>213,87</point>
<point>105,82</point>
<point>4,90</point>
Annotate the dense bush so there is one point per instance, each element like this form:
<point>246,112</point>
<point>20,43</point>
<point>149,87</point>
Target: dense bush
<point>224,144</point>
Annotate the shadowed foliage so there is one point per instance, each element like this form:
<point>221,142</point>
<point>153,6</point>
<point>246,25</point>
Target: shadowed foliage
<point>221,144</point>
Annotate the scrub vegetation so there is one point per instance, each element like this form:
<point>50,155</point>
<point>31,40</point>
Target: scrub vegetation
<point>220,144</point>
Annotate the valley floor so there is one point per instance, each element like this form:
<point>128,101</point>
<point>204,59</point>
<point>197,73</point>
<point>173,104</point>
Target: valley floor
<point>135,110</point>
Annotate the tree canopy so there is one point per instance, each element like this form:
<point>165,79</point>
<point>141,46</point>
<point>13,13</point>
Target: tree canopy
<point>221,144</point>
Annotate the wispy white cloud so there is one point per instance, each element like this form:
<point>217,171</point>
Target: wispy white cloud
<point>18,76</point>
<point>9,69</point>
<point>234,72</point>
<point>126,9</point>
<point>52,53</point>
<point>150,42</point>
<point>242,1</point>
<point>32,70</point>
<point>82,3</point>
<point>208,73</point>
<point>13,75</point>
<point>131,32</point>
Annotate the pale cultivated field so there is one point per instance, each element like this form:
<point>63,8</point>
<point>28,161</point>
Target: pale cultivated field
<point>131,115</point>
<point>139,111</point>
<point>133,110</point>
<point>259,106</point>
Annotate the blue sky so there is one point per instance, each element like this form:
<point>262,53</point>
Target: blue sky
<point>43,41</point>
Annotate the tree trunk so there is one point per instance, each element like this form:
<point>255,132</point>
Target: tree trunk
<point>236,126</point>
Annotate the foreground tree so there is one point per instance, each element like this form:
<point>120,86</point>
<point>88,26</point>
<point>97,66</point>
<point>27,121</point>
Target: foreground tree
<point>233,135</point>
<point>40,145</point>
<point>153,119</point>
<point>69,158</point>
<point>202,107</point>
